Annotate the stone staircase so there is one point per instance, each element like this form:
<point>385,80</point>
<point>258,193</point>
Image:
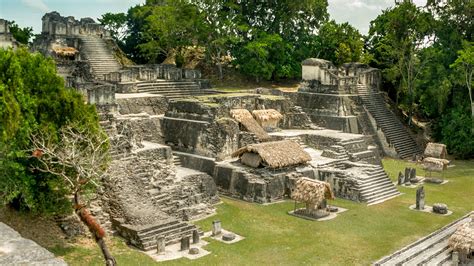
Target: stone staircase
<point>430,250</point>
<point>100,57</point>
<point>298,140</point>
<point>173,89</point>
<point>377,187</point>
<point>144,237</point>
<point>177,160</point>
<point>394,130</point>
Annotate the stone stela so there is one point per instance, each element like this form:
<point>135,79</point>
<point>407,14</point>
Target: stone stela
<point>216,228</point>
<point>420,198</point>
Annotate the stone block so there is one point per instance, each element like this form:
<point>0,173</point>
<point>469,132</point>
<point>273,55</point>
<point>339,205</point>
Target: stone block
<point>228,237</point>
<point>216,228</point>
<point>440,208</point>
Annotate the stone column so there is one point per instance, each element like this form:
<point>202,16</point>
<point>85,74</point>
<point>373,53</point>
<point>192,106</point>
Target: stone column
<point>185,243</point>
<point>160,245</point>
<point>216,228</point>
<point>412,174</point>
<point>407,175</point>
<point>196,237</point>
<point>455,258</point>
<point>401,178</point>
<point>420,198</point>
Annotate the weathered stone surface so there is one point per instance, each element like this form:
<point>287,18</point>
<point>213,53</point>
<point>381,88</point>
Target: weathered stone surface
<point>333,209</point>
<point>420,198</point>
<point>185,243</point>
<point>228,237</point>
<point>440,208</point>
<point>401,178</point>
<point>216,228</point>
<point>196,237</point>
<point>160,245</point>
<point>15,250</point>
<point>150,104</point>
<point>193,251</point>
<point>433,180</point>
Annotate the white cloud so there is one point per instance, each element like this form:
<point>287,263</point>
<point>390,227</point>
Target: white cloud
<point>36,4</point>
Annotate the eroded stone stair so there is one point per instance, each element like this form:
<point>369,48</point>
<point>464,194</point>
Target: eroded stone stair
<point>394,130</point>
<point>100,57</point>
<point>377,186</point>
<point>173,89</point>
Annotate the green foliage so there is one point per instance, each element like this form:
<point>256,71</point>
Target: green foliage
<point>33,99</point>
<point>236,28</point>
<point>22,35</point>
<point>339,43</point>
<point>455,128</point>
<point>116,24</point>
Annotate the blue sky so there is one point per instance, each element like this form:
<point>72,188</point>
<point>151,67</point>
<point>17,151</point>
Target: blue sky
<point>359,13</point>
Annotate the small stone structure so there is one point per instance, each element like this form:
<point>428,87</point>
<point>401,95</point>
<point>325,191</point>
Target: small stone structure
<point>440,208</point>
<point>435,150</point>
<point>216,228</point>
<point>420,198</point>
<point>55,24</point>
<point>267,118</point>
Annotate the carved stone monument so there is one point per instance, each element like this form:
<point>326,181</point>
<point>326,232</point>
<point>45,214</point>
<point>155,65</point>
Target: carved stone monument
<point>160,245</point>
<point>196,237</point>
<point>401,179</point>
<point>216,228</point>
<point>420,198</point>
<point>185,243</point>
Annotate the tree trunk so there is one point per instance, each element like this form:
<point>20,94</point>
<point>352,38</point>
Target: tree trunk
<point>96,230</point>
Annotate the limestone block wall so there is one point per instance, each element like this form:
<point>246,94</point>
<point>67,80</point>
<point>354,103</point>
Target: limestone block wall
<point>343,185</point>
<point>152,105</point>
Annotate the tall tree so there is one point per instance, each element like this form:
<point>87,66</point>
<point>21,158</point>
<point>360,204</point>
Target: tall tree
<point>395,38</point>
<point>465,65</point>
<point>116,23</point>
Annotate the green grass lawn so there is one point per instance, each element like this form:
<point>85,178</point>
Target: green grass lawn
<point>361,235</point>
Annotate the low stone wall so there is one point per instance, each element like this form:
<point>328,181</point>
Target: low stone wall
<point>343,186</point>
<point>152,105</point>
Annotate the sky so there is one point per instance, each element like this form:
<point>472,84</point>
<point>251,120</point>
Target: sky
<point>25,13</point>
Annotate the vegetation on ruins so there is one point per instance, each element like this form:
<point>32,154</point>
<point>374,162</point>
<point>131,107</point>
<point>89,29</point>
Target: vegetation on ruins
<point>33,100</point>
<point>423,52</point>
<point>22,35</point>
<point>361,235</point>
<point>80,160</point>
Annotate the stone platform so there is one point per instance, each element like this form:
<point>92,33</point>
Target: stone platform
<point>16,250</point>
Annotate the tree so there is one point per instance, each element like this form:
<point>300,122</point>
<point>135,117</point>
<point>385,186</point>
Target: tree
<point>22,35</point>
<point>32,99</point>
<point>79,158</point>
<point>116,24</point>
<point>395,38</point>
<point>339,43</point>
<point>465,64</point>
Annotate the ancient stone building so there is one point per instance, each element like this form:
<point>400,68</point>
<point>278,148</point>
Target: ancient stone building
<point>6,38</point>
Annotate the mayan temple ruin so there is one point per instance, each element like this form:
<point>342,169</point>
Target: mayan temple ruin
<point>251,147</point>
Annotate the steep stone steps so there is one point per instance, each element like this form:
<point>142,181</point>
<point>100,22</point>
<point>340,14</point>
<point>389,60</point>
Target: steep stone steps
<point>100,57</point>
<point>377,187</point>
<point>173,89</point>
<point>394,130</point>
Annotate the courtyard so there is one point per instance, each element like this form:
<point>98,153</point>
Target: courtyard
<point>360,236</point>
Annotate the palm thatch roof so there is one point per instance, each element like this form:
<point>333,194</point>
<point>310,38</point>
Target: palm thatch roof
<point>436,150</point>
<point>435,164</point>
<point>267,115</point>
<point>65,51</point>
<point>463,239</point>
<point>244,117</point>
<point>312,191</point>
<point>276,154</point>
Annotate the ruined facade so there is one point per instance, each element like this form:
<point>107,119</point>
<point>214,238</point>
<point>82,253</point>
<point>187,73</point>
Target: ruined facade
<point>6,38</point>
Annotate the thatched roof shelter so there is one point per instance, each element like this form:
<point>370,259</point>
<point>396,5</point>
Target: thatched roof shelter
<point>267,117</point>
<point>65,51</point>
<point>435,164</point>
<point>274,154</point>
<point>435,150</point>
<point>462,240</point>
<point>244,117</point>
<point>312,191</point>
